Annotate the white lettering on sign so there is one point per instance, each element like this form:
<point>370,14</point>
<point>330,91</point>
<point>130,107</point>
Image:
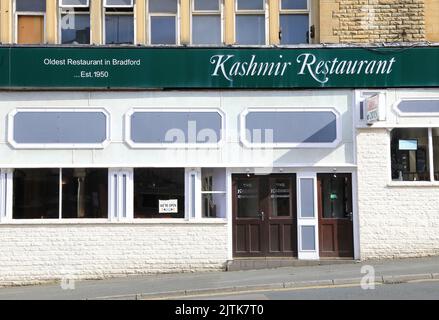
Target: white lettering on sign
<point>168,206</point>
<point>308,64</point>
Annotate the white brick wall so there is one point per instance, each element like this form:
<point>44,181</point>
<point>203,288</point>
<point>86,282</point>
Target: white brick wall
<point>32,253</point>
<point>395,222</point>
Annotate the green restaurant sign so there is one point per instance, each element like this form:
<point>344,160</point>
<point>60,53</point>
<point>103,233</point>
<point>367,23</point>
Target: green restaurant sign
<point>241,68</point>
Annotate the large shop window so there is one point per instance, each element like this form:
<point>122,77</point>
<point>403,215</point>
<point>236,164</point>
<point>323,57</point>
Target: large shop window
<point>250,22</point>
<point>119,22</point>
<point>410,154</point>
<point>290,128</point>
<point>159,193</point>
<point>163,21</point>
<point>36,193</point>
<point>294,22</point>
<point>84,193</point>
<point>206,15</point>
<point>75,22</point>
<point>52,129</point>
<point>30,16</point>
<point>179,128</point>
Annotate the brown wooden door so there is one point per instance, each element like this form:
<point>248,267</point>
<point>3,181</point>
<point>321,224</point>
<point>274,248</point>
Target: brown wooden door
<point>264,216</point>
<point>335,215</point>
<point>30,29</point>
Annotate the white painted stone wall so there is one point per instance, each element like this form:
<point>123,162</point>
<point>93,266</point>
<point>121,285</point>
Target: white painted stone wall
<point>395,221</point>
<point>33,253</point>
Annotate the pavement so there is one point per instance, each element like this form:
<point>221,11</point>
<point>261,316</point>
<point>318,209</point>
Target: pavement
<point>413,290</point>
<point>164,286</point>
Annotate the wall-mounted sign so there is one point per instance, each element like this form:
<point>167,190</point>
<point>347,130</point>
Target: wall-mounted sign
<point>168,206</point>
<point>230,68</point>
<point>372,105</point>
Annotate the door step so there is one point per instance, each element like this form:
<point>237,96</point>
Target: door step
<point>240,264</point>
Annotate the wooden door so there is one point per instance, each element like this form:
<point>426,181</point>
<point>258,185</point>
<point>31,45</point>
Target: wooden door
<point>249,227</point>
<point>264,216</point>
<point>335,215</point>
<point>282,218</point>
<point>30,29</point>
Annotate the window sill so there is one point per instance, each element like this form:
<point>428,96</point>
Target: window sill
<point>107,221</point>
<point>395,184</point>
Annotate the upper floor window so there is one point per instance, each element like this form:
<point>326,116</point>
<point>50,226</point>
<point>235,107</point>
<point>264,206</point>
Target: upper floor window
<point>30,20</point>
<point>119,22</point>
<point>294,21</point>
<point>250,22</point>
<point>206,15</point>
<point>163,22</point>
<point>75,21</point>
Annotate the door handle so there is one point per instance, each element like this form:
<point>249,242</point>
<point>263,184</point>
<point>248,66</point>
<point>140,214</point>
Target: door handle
<point>351,216</point>
<point>262,215</point>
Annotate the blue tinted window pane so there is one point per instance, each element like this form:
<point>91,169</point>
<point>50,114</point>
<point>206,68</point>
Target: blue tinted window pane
<point>31,5</point>
<point>60,127</point>
<point>202,23</point>
<point>250,29</point>
<point>74,2</point>
<point>163,30</point>
<point>292,127</point>
<point>419,106</point>
<point>75,28</point>
<point>294,4</point>
<point>118,3</point>
<point>307,197</point>
<point>119,29</point>
<point>308,238</point>
<point>206,5</point>
<point>175,127</point>
<point>169,6</point>
<point>294,28</point>
<point>250,4</point>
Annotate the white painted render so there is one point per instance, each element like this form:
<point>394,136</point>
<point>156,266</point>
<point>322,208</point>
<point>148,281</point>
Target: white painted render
<point>117,153</point>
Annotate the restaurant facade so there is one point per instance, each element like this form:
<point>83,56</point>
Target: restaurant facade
<point>132,142</point>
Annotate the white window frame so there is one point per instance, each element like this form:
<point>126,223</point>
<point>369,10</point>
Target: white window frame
<point>298,11</point>
<point>164,14</point>
<point>28,13</point>
<point>119,210</point>
<point>208,13</point>
<point>192,194</point>
<point>16,145</point>
<point>249,144</point>
<point>118,13</point>
<point>142,145</point>
<point>65,10</point>
<point>432,180</point>
<point>6,197</point>
<point>307,221</point>
<point>264,11</point>
<point>118,6</point>
<point>62,5</point>
<point>213,191</point>
<point>414,114</point>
